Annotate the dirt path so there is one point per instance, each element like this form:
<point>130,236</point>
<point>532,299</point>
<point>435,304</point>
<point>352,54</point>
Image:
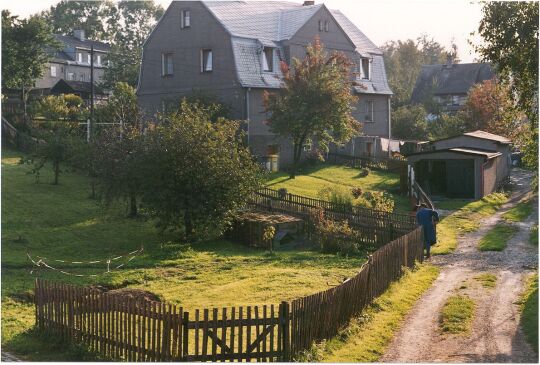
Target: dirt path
<point>496,335</point>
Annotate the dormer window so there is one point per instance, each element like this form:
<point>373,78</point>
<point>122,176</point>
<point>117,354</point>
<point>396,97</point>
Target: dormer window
<point>186,19</point>
<point>267,58</point>
<point>365,68</point>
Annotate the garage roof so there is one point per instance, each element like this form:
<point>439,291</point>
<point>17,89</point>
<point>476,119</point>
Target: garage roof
<point>464,151</point>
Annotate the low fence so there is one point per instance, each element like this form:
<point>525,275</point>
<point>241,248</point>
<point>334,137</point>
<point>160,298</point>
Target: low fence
<point>272,200</point>
<point>374,163</point>
<point>127,329</point>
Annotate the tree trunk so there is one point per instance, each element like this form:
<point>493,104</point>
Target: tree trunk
<point>297,153</point>
<point>132,205</point>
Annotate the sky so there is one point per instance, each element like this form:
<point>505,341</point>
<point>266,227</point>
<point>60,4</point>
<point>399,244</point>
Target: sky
<point>380,20</point>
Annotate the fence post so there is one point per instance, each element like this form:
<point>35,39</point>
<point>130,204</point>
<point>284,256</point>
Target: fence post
<point>185,339</point>
<point>285,325</point>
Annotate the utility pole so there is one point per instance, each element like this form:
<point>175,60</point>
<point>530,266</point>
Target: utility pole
<point>91,125</point>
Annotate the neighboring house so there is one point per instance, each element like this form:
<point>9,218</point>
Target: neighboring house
<point>72,62</point>
<point>470,165</point>
<point>233,50</point>
<point>80,88</point>
<point>446,86</point>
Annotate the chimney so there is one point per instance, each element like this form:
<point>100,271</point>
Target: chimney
<point>79,34</point>
<point>309,2</point>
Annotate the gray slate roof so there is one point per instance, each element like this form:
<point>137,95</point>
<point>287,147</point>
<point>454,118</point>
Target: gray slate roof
<point>446,80</point>
<point>254,24</point>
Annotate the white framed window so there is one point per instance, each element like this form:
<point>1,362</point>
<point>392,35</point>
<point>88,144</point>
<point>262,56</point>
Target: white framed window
<point>79,57</point>
<point>321,26</point>
<point>185,21</point>
<point>70,76</point>
<point>206,60</point>
<point>53,71</point>
<point>166,64</point>
<point>365,69</point>
<point>88,58</point>
<point>369,110</point>
<point>267,58</point>
<point>326,26</point>
<point>98,60</point>
<point>455,99</point>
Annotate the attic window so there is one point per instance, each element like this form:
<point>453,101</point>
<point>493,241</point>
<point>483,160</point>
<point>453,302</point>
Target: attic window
<point>326,26</point>
<point>365,69</point>
<point>186,19</point>
<point>206,60</point>
<point>166,64</point>
<point>268,59</point>
<point>321,26</point>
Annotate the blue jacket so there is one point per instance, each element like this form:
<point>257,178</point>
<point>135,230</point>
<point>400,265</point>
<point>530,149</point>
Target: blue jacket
<point>424,217</point>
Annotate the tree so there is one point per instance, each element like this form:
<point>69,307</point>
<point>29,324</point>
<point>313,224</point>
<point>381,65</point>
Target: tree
<point>123,108</point>
<point>55,149</point>
<point>132,23</point>
<point>65,16</point>
<point>409,122</point>
<point>315,102</point>
<point>490,108</point>
<point>197,172</point>
<point>62,107</point>
<point>446,125</point>
<point>26,48</point>
<point>117,165</point>
<point>510,40</point>
<point>404,60</point>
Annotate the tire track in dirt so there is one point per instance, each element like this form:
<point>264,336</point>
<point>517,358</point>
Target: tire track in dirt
<point>496,335</point>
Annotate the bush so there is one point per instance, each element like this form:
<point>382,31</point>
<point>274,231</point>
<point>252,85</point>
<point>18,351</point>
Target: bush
<point>377,200</point>
<point>53,107</point>
<point>356,192</point>
<point>333,236</point>
<point>339,196</point>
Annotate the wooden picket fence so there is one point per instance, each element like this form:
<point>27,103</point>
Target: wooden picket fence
<point>374,163</point>
<point>127,329</point>
<point>357,217</point>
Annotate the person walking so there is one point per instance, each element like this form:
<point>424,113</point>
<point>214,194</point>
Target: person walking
<point>426,218</point>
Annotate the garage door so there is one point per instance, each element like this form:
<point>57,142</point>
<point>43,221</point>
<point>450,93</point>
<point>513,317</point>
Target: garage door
<point>460,178</point>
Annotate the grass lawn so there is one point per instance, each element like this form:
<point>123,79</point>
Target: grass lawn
<point>310,180</point>
<point>520,212</point>
<point>488,280</point>
<point>457,314</point>
<point>366,338</point>
<point>529,315</point>
<point>464,220</point>
<point>60,222</point>
<point>497,238</point>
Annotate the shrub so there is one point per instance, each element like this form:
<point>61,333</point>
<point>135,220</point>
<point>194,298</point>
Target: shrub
<point>356,192</point>
<point>53,107</point>
<point>333,236</point>
<point>364,172</point>
<point>377,200</point>
<point>338,196</point>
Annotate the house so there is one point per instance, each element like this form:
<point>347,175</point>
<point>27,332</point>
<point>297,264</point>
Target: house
<point>233,50</point>
<point>468,166</point>
<point>72,62</point>
<point>80,88</point>
<point>446,86</point>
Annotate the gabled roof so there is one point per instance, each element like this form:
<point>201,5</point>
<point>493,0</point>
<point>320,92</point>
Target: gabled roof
<point>255,24</point>
<point>486,135</point>
<point>64,86</point>
<point>87,43</point>
<point>456,78</point>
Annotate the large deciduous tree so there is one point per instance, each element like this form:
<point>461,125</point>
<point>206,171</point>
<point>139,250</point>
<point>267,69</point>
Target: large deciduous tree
<point>409,122</point>
<point>315,102</point>
<point>510,41</point>
<point>197,172</point>
<point>27,45</point>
